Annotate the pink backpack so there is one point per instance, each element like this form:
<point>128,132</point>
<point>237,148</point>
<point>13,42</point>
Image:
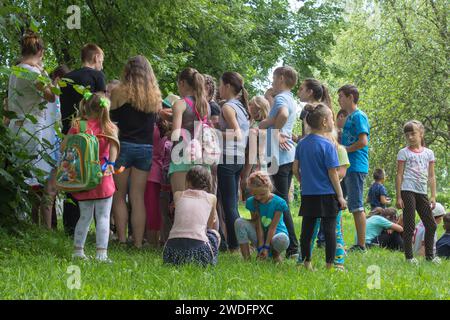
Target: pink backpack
<point>204,147</point>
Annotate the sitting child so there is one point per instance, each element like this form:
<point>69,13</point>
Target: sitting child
<point>384,229</point>
<point>443,244</point>
<point>194,236</point>
<point>266,229</point>
<point>377,196</point>
<point>419,234</point>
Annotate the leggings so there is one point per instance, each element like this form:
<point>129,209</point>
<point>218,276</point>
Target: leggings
<point>329,229</point>
<point>340,244</point>
<point>102,209</point>
<point>412,202</point>
<point>152,206</point>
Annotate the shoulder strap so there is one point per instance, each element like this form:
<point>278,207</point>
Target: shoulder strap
<point>191,104</point>
<point>83,126</point>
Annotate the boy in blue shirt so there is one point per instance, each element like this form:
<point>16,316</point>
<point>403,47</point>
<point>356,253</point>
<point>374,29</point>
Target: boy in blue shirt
<point>443,244</point>
<point>377,196</point>
<point>355,138</point>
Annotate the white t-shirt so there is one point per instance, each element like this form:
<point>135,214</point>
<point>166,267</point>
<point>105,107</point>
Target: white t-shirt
<point>415,177</point>
<point>419,237</point>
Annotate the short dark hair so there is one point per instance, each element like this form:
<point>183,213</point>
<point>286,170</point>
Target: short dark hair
<point>446,220</point>
<point>350,89</point>
<point>378,174</point>
<point>342,112</point>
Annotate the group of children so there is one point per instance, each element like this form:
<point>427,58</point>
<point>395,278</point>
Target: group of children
<point>179,204</point>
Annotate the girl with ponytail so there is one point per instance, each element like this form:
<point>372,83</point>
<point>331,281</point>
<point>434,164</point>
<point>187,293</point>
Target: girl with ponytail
<point>191,88</point>
<point>234,124</point>
<point>313,92</point>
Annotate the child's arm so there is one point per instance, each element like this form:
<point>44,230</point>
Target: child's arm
<point>361,143</point>
<point>113,151</point>
<point>295,169</point>
<point>432,183</point>
<point>384,200</point>
<point>272,230</point>
<point>178,109</point>
<point>259,231</point>
<point>230,117</point>
<point>396,227</point>
<point>398,184</point>
<point>213,221</point>
<point>266,123</point>
<point>333,175</point>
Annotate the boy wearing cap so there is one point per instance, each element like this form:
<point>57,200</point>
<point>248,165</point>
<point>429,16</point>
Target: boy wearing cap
<point>443,244</point>
<point>419,234</point>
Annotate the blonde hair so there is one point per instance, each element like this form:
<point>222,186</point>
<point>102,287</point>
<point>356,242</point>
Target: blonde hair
<point>263,107</point>
<point>89,51</point>
<point>92,108</point>
<point>259,179</point>
<point>140,85</point>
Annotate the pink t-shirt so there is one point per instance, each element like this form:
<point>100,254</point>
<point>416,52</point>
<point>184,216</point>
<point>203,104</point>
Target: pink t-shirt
<point>107,187</point>
<point>160,156</point>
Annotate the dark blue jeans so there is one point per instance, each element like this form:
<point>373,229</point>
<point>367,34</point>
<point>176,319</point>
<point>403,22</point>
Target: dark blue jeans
<point>228,186</point>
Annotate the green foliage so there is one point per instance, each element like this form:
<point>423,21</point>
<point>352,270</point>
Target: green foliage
<point>397,53</point>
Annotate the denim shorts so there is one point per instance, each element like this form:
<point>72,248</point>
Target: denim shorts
<point>354,182</point>
<point>135,155</point>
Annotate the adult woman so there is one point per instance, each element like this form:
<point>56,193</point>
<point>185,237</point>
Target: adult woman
<point>26,98</point>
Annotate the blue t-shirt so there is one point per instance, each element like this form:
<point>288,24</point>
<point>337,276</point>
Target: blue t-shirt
<point>375,225</point>
<point>316,155</point>
<point>356,124</point>
<point>375,192</point>
<point>284,99</point>
<point>443,246</point>
<point>267,211</point>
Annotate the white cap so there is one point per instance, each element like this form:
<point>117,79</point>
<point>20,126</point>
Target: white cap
<point>439,210</point>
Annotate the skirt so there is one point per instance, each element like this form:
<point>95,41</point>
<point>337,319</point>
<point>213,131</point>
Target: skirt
<point>319,206</point>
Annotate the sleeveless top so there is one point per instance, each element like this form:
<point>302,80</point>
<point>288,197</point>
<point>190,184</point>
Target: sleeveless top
<point>233,147</point>
<point>192,211</point>
<point>134,126</point>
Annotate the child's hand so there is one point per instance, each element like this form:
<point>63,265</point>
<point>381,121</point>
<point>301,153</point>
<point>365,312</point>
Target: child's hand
<point>263,254</point>
<point>109,170</point>
<point>284,143</point>
<point>399,203</point>
<point>433,203</point>
<point>342,203</point>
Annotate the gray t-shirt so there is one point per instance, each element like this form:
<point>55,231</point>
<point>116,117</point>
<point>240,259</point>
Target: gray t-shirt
<point>231,147</point>
<point>415,176</point>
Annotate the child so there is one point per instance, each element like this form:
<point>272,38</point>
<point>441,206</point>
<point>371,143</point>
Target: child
<point>89,75</point>
<point>281,120</point>
<point>419,233</point>
<point>344,163</point>
<point>157,181</point>
<point>266,230</point>
<point>94,109</point>
<point>321,194</point>
<point>377,196</point>
<point>415,167</point>
<point>194,236</point>
<point>259,110</point>
<point>383,229</point>
<point>341,117</point>
<point>443,244</point>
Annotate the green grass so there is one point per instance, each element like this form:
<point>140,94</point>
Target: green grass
<point>35,266</point>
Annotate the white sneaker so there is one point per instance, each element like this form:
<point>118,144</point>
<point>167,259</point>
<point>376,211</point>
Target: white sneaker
<point>79,255</point>
<point>436,260</point>
<point>413,261</point>
<point>103,258</point>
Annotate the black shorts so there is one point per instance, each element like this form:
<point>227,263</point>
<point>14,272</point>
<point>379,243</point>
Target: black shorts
<point>319,206</point>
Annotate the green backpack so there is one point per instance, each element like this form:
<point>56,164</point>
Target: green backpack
<point>79,169</point>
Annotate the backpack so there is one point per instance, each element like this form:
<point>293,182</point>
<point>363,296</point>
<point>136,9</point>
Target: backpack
<point>204,149</point>
<point>79,169</point>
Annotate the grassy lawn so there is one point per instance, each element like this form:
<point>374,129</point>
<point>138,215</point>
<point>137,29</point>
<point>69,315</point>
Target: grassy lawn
<point>36,267</point>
